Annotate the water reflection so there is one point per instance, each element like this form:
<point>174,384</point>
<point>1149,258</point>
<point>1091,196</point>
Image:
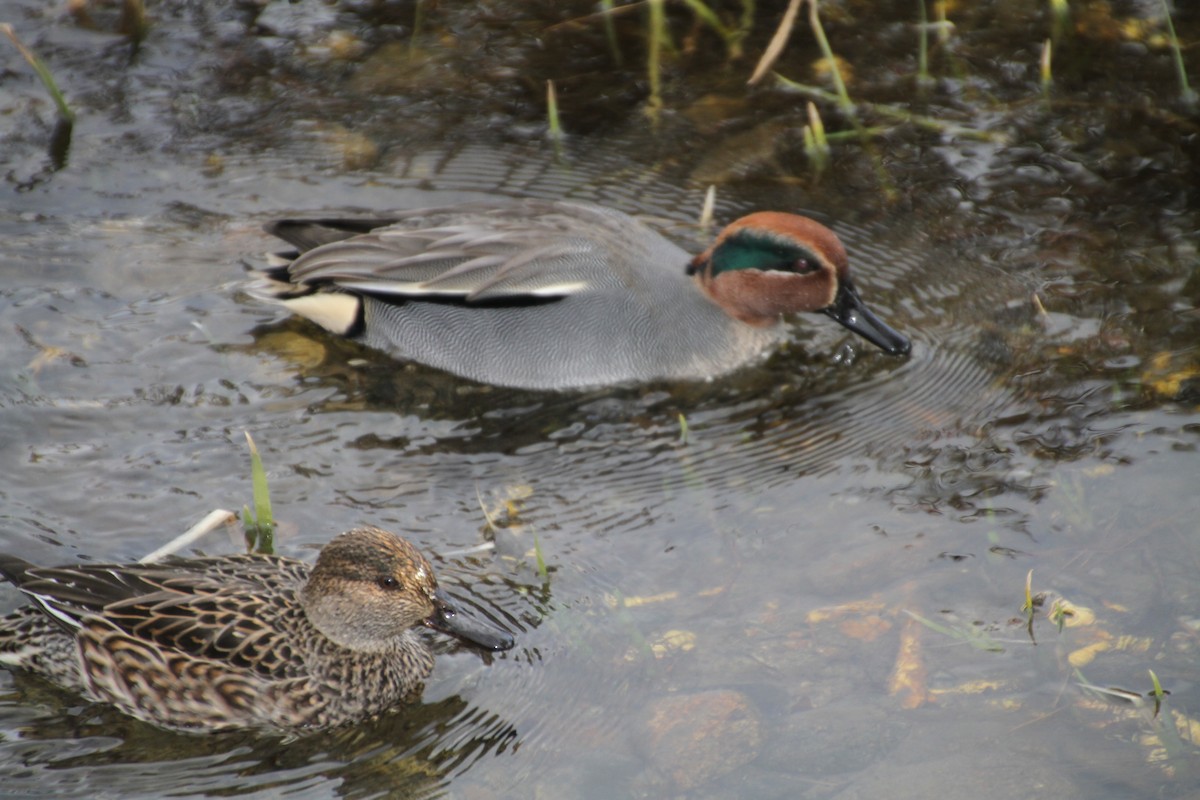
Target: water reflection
<point>412,754</point>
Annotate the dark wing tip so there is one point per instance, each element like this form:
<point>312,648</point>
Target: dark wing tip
<point>306,234</point>
<point>15,570</point>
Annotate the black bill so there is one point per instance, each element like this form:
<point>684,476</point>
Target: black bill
<point>849,310</point>
<point>483,634</point>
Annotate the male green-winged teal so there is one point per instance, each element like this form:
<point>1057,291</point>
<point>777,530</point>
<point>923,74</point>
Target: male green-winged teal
<point>239,641</point>
<point>557,295</point>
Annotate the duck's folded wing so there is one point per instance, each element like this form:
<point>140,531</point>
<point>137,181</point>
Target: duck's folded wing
<point>192,607</point>
<point>67,594</point>
<point>539,252</point>
<point>306,234</point>
<point>219,623</point>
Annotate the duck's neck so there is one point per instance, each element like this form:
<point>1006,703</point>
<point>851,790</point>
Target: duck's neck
<point>372,682</point>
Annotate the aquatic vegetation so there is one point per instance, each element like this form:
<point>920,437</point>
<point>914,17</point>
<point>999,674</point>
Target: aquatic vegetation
<point>816,143</point>
<point>60,139</point>
<point>1186,93</point>
<point>43,73</point>
<point>260,523</point>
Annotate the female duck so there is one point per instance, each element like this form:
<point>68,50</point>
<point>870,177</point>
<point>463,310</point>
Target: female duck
<point>239,641</point>
<point>557,295</point>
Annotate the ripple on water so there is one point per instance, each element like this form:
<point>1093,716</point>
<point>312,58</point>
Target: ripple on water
<point>616,466</point>
<point>615,490</point>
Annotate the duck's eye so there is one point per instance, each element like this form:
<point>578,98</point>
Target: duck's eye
<point>805,266</point>
<point>388,582</point>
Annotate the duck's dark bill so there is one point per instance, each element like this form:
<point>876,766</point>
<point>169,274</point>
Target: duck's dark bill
<point>848,310</point>
<point>447,620</point>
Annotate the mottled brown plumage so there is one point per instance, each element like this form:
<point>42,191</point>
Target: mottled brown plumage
<point>242,640</point>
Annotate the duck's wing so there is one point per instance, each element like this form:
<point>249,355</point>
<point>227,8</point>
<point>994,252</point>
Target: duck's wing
<point>306,234</point>
<point>530,251</point>
<point>233,609</point>
<point>66,594</point>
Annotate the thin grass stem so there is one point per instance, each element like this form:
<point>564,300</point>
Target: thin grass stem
<point>707,211</point>
<point>260,526</point>
<point>710,18</point>
<point>891,112</point>
<point>1061,12</point>
<point>43,72</point>
<point>658,32</point>
<point>778,40</point>
<point>1186,93</point>
<point>610,31</point>
<point>1045,70</point>
<point>839,85</point>
<point>846,104</point>
<point>816,143</point>
<point>542,571</point>
<point>554,125</point>
<point>923,78</point>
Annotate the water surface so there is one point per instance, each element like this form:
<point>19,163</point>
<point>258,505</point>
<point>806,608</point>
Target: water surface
<point>734,610</point>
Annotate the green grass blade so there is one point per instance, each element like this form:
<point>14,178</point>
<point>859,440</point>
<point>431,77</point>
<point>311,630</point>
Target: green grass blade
<point>658,33</point>
<point>554,125</point>
<point>1061,12</point>
<point>892,112</point>
<point>923,78</point>
<point>732,38</point>
<point>42,71</point>
<point>543,573</point>
<point>610,31</point>
<point>1044,65</point>
<point>839,85</point>
<point>1185,89</point>
<point>262,527</point>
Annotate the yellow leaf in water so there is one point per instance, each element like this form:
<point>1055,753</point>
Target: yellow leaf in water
<point>1166,377</point>
<point>908,679</point>
<point>824,70</point>
<point>344,46</point>
<point>1189,727</point>
<point>865,629</point>
<point>357,150</point>
<point>47,355</point>
<point>1085,655</point>
<point>1133,644</point>
<point>972,687</point>
<point>673,642</point>
<point>819,615</point>
<point>503,506</point>
<point>1073,616</point>
<point>634,602</point>
<point>300,351</point>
